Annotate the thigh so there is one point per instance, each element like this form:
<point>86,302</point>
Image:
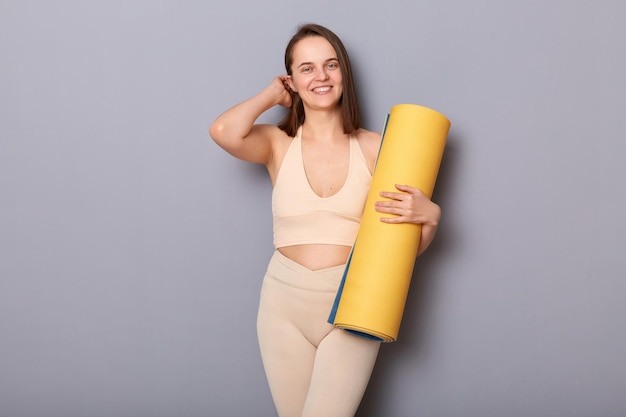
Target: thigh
<point>286,353</point>
<point>342,369</point>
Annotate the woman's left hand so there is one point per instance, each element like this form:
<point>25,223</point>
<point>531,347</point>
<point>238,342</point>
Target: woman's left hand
<point>410,205</point>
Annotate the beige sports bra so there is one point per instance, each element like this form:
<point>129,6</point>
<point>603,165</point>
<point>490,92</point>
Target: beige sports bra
<point>303,217</point>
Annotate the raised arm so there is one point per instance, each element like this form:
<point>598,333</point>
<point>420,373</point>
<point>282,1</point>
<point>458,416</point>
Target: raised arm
<point>235,131</point>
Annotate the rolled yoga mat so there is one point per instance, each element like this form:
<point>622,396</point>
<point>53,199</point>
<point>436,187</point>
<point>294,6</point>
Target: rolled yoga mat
<point>372,295</point>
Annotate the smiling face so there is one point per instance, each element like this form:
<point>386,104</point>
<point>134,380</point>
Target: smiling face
<point>316,74</point>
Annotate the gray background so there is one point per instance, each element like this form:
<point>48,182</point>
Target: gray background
<point>132,248</point>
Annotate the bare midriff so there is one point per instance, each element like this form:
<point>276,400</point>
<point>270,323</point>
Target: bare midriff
<point>315,257</point>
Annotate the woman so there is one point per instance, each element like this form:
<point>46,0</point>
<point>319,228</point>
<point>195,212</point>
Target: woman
<point>320,162</point>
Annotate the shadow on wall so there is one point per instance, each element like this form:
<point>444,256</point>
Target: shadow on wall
<point>412,340</point>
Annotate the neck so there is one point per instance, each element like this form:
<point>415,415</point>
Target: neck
<point>321,125</point>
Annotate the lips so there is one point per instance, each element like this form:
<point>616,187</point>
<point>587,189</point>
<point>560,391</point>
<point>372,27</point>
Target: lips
<point>322,90</point>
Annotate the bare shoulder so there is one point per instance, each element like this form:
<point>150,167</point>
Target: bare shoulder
<point>368,136</point>
<point>276,136</point>
<point>273,135</point>
<point>270,132</point>
<point>370,144</point>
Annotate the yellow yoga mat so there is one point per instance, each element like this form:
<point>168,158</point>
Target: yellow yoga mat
<point>372,295</point>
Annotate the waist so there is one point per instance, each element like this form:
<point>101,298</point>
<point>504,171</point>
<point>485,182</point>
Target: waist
<point>318,228</point>
<point>317,256</point>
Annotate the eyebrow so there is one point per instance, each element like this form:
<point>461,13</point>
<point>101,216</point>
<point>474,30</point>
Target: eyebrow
<point>325,62</point>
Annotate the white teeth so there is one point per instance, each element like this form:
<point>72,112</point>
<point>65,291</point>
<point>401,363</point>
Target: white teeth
<point>321,89</point>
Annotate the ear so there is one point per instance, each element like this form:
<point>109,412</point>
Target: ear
<point>290,84</point>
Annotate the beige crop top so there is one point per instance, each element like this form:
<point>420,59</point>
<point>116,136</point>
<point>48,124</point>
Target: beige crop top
<point>303,217</point>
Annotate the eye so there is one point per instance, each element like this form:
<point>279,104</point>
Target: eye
<point>332,65</point>
<point>306,69</point>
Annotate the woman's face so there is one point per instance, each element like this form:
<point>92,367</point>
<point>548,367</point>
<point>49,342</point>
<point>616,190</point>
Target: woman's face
<point>315,73</point>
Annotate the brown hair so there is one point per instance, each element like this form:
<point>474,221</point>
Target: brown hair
<point>349,103</point>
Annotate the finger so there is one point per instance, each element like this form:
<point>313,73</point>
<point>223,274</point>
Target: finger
<point>398,211</point>
<point>408,189</point>
<point>390,204</point>
<point>392,220</point>
<point>392,195</point>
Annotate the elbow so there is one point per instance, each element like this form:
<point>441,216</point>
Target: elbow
<point>220,135</point>
<point>216,131</point>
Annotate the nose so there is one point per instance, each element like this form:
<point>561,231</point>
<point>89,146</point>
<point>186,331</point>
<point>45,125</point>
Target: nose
<point>322,75</point>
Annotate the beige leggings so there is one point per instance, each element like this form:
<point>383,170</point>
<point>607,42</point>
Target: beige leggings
<point>313,368</point>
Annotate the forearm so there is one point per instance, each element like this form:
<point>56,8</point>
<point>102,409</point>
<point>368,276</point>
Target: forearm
<point>427,236</point>
<point>429,226</point>
<point>235,123</point>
